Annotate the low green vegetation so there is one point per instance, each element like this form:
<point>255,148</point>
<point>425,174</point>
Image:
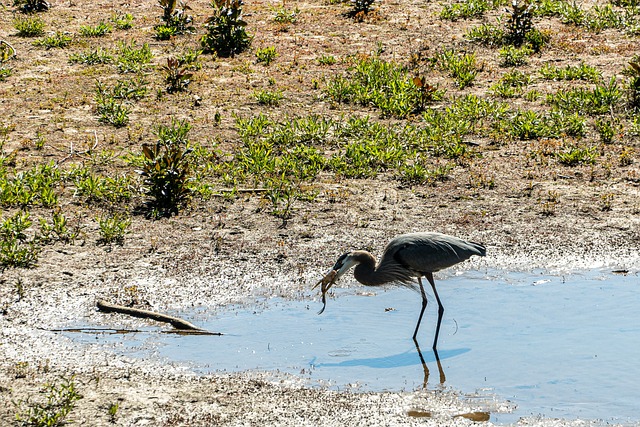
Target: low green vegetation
<point>92,57</point>
<point>285,16</point>
<point>462,67</point>
<point>60,402</point>
<point>327,60</point>
<point>270,98</point>
<point>98,30</point>
<point>113,228</point>
<point>575,155</point>
<point>132,59</point>
<point>416,121</point>
<point>512,56</point>
<point>127,57</point>
<point>601,99</point>
<point>122,21</point>
<point>57,40</point>
<point>570,72</point>
<point>109,110</point>
<point>511,85</point>
<point>385,85</point>
<point>16,248</point>
<point>266,55</point>
<point>469,9</point>
<point>598,17</point>
<point>29,26</point>
<point>4,73</point>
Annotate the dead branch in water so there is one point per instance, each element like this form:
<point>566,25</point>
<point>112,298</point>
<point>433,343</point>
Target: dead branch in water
<point>176,322</point>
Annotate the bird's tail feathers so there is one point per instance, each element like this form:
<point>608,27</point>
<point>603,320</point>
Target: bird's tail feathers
<point>482,250</point>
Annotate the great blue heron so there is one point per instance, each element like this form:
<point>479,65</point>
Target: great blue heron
<point>405,258</point>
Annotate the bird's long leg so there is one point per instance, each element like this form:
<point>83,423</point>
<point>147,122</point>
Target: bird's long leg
<point>443,378</point>
<point>424,365</point>
<point>424,306</point>
<point>440,307</point>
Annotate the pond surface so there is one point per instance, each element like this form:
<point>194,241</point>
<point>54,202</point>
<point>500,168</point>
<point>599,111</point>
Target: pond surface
<point>559,346</point>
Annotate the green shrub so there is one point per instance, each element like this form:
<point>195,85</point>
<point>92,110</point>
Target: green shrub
<point>175,16</point>
<point>31,6</point>
<point>360,7</point>
<point>226,33</point>
<point>175,20</point>
<point>167,167</point>
<point>176,76</point>
<point>519,23</point>
<point>518,30</point>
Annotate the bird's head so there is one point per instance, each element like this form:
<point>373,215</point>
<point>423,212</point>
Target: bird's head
<point>344,263</point>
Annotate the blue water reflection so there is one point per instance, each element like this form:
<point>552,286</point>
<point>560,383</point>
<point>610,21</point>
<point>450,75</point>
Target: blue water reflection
<point>407,358</point>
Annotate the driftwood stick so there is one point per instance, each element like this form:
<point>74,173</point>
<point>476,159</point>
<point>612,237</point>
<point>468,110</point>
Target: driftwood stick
<point>176,322</point>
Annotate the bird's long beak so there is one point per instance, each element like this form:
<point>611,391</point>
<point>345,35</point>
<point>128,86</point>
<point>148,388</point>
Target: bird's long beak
<point>343,265</point>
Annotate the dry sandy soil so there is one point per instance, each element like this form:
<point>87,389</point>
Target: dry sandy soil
<point>221,251</point>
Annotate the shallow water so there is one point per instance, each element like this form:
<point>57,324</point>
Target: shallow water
<point>557,346</point>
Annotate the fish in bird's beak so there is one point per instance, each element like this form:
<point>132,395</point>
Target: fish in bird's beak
<point>327,281</point>
<point>342,265</point>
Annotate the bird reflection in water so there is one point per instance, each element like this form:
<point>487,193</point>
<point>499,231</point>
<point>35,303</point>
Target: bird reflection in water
<point>425,368</point>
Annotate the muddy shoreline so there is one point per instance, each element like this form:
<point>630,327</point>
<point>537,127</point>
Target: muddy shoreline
<point>198,272</point>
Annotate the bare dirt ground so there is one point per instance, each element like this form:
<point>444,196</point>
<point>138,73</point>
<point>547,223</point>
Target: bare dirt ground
<point>221,251</point>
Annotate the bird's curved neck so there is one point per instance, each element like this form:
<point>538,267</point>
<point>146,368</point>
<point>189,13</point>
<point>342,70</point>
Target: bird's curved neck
<point>365,271</point>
